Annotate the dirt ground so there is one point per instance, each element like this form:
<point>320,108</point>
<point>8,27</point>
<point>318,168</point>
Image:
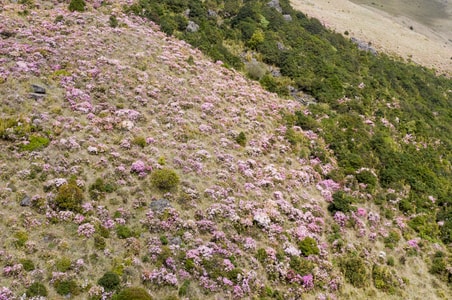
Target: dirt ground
<point>397,35</point>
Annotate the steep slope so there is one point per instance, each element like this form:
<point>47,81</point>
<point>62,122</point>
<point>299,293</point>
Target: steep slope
<point>248,218</point>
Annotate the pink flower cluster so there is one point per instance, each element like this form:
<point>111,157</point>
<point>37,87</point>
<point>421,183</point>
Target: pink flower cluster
<point>160,277</point>
<point>86,229</point>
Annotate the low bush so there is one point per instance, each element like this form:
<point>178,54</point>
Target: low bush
<point>164,179</point>
<point>308,246</point>
<point>69,197</point>
<point>241,139</point>
<point>341,202</point>
<point>123,231</point>
<point>110,281</point>
<point>36,289</point>
<point>27,264</point>
<point>77,5</point>
<point>35,143</point>
<point>355,271</point>
<point>67,287</point>
<point>132,293</point>
<point>383,279</point>
<point>63,264</point>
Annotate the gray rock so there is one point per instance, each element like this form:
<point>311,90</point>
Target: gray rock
<point>288,18</point>
<point>192,26</point>
<point>26,201</point>
<point>38,89</point>
<point>363,46</point>
<point>275,4</point>
<point>211,13</point>
<point>159,205</point>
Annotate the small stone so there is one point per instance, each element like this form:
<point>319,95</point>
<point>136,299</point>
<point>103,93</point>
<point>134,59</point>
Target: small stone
<point>26,201</point>
<point>288,18</point>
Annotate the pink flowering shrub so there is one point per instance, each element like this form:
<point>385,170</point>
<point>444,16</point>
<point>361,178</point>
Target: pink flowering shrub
<point>86,230</point>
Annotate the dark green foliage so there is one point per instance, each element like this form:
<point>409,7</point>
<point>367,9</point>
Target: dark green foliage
<point>123,232</point>
<point>341,202</point>
<point>132,293</point>
<point>355,271</point>
<point>77,5</point>
<point>66,287</point>
<point>110,281</point>
<point>164,179</point>
<point>308,246</point>
<point>241,139</point>
<point>69,197</point>
<point>27,264</point>
<point>261,255</point>
<point>36,289</point>
<point>99,188</point>
<point>113,21</point>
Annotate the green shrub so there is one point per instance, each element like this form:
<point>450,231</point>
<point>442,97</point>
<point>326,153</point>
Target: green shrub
<point>69,197</point>
<point>308,246</point>
<point>99,242</point>
<point>98,189</point>
<point>392,239</point>
<point>255,70</point>
<point>132,293</point>
<point>241,139</point>
<point>439,267</point>
<point>66,287</point>
<point>123,231</point>
<point>261,255</point>
<point>383,279</point>
<point>341,202</point>
<point>113,21</point>
<point>21,237</point>
<point>183,290</point>
<point>110,281</point>
<point>36,289</point>
<point>77,5</point>
<point>164,179</point>
<point>35,143</point>
<point>355,271</point>
<point>63,264</point>
<point>27,264</point>
<point>301,265</point>
<point>139,141</point>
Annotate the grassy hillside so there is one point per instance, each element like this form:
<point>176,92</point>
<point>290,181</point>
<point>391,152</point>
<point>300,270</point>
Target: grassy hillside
<point>143,164</point>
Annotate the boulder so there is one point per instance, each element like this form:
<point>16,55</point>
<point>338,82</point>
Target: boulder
<point>26,201</point>
<point>275,4</point>
<point>159,205</point>
<point>192,26</point>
